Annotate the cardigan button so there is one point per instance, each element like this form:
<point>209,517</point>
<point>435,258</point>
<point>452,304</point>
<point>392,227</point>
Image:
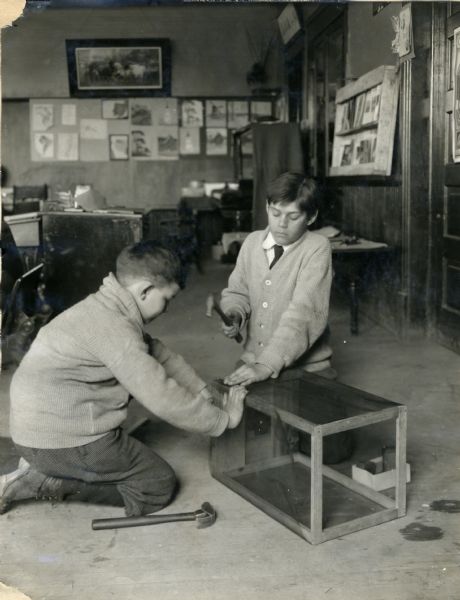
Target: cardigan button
<point>265,304</point>
<point>268,282</point>
<point>261,343</point>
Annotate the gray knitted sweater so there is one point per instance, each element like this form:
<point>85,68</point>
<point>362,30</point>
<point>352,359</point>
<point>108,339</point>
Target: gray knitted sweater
<point>285,308</point>
<point>73,385</point>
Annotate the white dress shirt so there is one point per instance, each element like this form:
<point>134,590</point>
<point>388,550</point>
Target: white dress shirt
<point>268,244</point>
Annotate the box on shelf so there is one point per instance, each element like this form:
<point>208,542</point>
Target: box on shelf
<point>380,480</point>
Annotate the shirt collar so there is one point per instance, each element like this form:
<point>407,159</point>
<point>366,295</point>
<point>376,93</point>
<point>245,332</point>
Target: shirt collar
<point>269,242</point>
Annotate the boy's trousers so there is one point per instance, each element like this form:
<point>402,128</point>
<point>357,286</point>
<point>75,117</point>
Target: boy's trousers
<point>116,470</point>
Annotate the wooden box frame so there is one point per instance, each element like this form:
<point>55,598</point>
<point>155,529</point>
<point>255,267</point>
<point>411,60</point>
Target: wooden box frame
<point>228,461</point>
<point>382,129</point>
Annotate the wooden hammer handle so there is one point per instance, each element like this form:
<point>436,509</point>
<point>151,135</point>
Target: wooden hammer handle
<point>226,319</point>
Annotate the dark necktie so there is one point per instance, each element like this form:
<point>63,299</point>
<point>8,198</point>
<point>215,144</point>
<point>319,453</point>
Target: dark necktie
<point>278,254</point>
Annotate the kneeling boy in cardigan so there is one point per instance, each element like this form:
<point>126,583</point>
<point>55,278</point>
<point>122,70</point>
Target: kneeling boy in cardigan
<point>280,287</point>
<point>70,394</point>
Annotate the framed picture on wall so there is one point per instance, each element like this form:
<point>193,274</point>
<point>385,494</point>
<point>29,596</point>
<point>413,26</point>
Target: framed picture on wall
<point>119,67</point>
<point>118,147</point>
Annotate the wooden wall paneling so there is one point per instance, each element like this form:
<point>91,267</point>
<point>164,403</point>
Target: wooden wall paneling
<point>419,198</point>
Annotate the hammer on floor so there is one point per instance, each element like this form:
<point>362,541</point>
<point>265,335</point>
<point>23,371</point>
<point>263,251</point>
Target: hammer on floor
<point>213,304</point>
<point>205,516</point>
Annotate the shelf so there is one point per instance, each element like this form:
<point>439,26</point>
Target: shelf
<point>364,127</point>
<point>367,149</point>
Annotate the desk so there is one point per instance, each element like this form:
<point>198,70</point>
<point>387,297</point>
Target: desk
<point>352,259</point>
<point>260,463</point>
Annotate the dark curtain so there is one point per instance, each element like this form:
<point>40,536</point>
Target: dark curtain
<point>277,148</point>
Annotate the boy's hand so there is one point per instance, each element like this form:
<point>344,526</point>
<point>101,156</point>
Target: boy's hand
<point>233,404</point>
<point>232,330</point>
<point>247,374</point>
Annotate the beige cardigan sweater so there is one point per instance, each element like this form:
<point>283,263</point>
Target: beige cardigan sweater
<point>73,385</point>
<point>284,308</point>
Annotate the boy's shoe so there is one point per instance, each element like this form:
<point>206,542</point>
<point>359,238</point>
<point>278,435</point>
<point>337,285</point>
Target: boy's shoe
<point>25,483</point>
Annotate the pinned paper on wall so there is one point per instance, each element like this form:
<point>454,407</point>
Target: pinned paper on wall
<point>69,114</point>
<point>67,146</point>
<point>403,43</point>
<point>189,140</point>
<point>456,108</point>
<point>42,116</point>
<point>141,143</point>
<point>115,109</point>
<point>192,113</point>
<point>216,141</point>
<point>141,112</point>
<point>44,145</point>
<point>166,111</point>
<point>167,142</point>
<point>93,129</point>
<point>216,113</point>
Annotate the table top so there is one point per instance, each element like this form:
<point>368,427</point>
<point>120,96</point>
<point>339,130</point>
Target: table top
<point>313,398</point>
<point>341,244</point>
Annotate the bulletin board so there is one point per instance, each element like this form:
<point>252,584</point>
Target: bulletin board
<point>138,129</point>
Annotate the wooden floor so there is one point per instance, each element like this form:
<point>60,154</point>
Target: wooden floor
<point>49,552</point>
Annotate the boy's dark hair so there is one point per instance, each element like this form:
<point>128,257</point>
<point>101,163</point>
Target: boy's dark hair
<point>295,187</point>
<point>148,260</point>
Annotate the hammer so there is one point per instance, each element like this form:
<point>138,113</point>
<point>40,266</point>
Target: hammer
<point>204,517</point>
<point>212,303</point>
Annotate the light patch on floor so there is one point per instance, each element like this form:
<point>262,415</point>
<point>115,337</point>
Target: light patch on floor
<point>9,593</point>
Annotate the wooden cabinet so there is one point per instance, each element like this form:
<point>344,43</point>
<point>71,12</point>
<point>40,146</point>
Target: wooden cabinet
<point>365,122</point>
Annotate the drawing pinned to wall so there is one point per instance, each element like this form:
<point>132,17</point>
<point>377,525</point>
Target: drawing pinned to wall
<point>67,146</point>
<point>141,112</point>
<point>44,145</point>
<point>141,143</point>
<point>42,116</point>
<point>166,111</point>
<point>190,141</point>
<point>238,113</point>
<point>216,141</point>
<point>115,109</point>
<point>456,112</point>
<point>192,113</point>
<point>93,129</point>
<point>216,113</point>
<point>403,43</point>
<point>118,147</point>
<point>167,142</point>
<point>69,115</point>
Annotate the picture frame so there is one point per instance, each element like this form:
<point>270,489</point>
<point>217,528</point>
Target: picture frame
<point>100,68</point>
<point>119,146</point>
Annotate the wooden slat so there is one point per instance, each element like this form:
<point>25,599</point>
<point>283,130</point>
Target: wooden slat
<point>316,486</point>
<point>267,507</point>
<point>366,82</point>
<point>359,421</point>
<point>362,523</point>
<point>401,429</point>
<point>349,483</point>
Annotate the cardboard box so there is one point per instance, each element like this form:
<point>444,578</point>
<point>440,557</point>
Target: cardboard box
<point>381,480</point>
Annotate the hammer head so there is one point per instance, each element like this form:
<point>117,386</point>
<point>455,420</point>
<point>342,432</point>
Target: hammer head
<point>205,516</point>
<point>209,305</point>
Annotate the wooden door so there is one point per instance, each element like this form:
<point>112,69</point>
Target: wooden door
<point>326,74</point>
<point>446,216</point>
